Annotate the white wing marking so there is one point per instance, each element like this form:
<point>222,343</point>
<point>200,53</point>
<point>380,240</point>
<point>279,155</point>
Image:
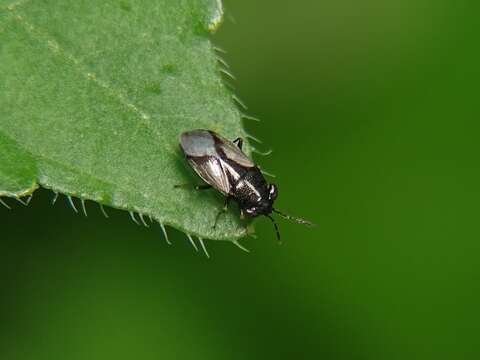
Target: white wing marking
<point>211,171</point>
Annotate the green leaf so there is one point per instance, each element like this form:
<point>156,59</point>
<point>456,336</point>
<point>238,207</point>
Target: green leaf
<point>94,95</point>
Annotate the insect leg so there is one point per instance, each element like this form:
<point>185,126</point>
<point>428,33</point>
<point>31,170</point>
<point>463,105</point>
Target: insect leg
<point>196,187</point>
<point>222,211</point>
<point>238,142</point>
<point>203,187</point>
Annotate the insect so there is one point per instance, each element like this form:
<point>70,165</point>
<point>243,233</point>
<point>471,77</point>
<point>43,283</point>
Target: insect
<point>224,166</point>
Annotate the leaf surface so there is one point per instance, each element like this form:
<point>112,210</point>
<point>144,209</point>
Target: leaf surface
<point>94,96</point>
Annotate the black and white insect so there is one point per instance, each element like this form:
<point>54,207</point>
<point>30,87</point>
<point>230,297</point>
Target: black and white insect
<point>224,166</point>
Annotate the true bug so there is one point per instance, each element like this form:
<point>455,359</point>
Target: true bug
<point>223,165</point>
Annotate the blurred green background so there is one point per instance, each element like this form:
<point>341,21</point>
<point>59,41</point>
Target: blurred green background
<point>372,110</point>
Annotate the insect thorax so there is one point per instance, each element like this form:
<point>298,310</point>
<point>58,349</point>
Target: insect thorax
<point>251,190</point>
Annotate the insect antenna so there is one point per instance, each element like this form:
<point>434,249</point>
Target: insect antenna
<point>276,228</point>
<point>294,219</point>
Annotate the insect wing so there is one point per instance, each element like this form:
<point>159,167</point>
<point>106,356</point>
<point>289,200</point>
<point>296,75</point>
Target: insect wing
<point>200,149</point>
<point>198,143</point>
<point>232,151</point>
<point>210,169</point>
